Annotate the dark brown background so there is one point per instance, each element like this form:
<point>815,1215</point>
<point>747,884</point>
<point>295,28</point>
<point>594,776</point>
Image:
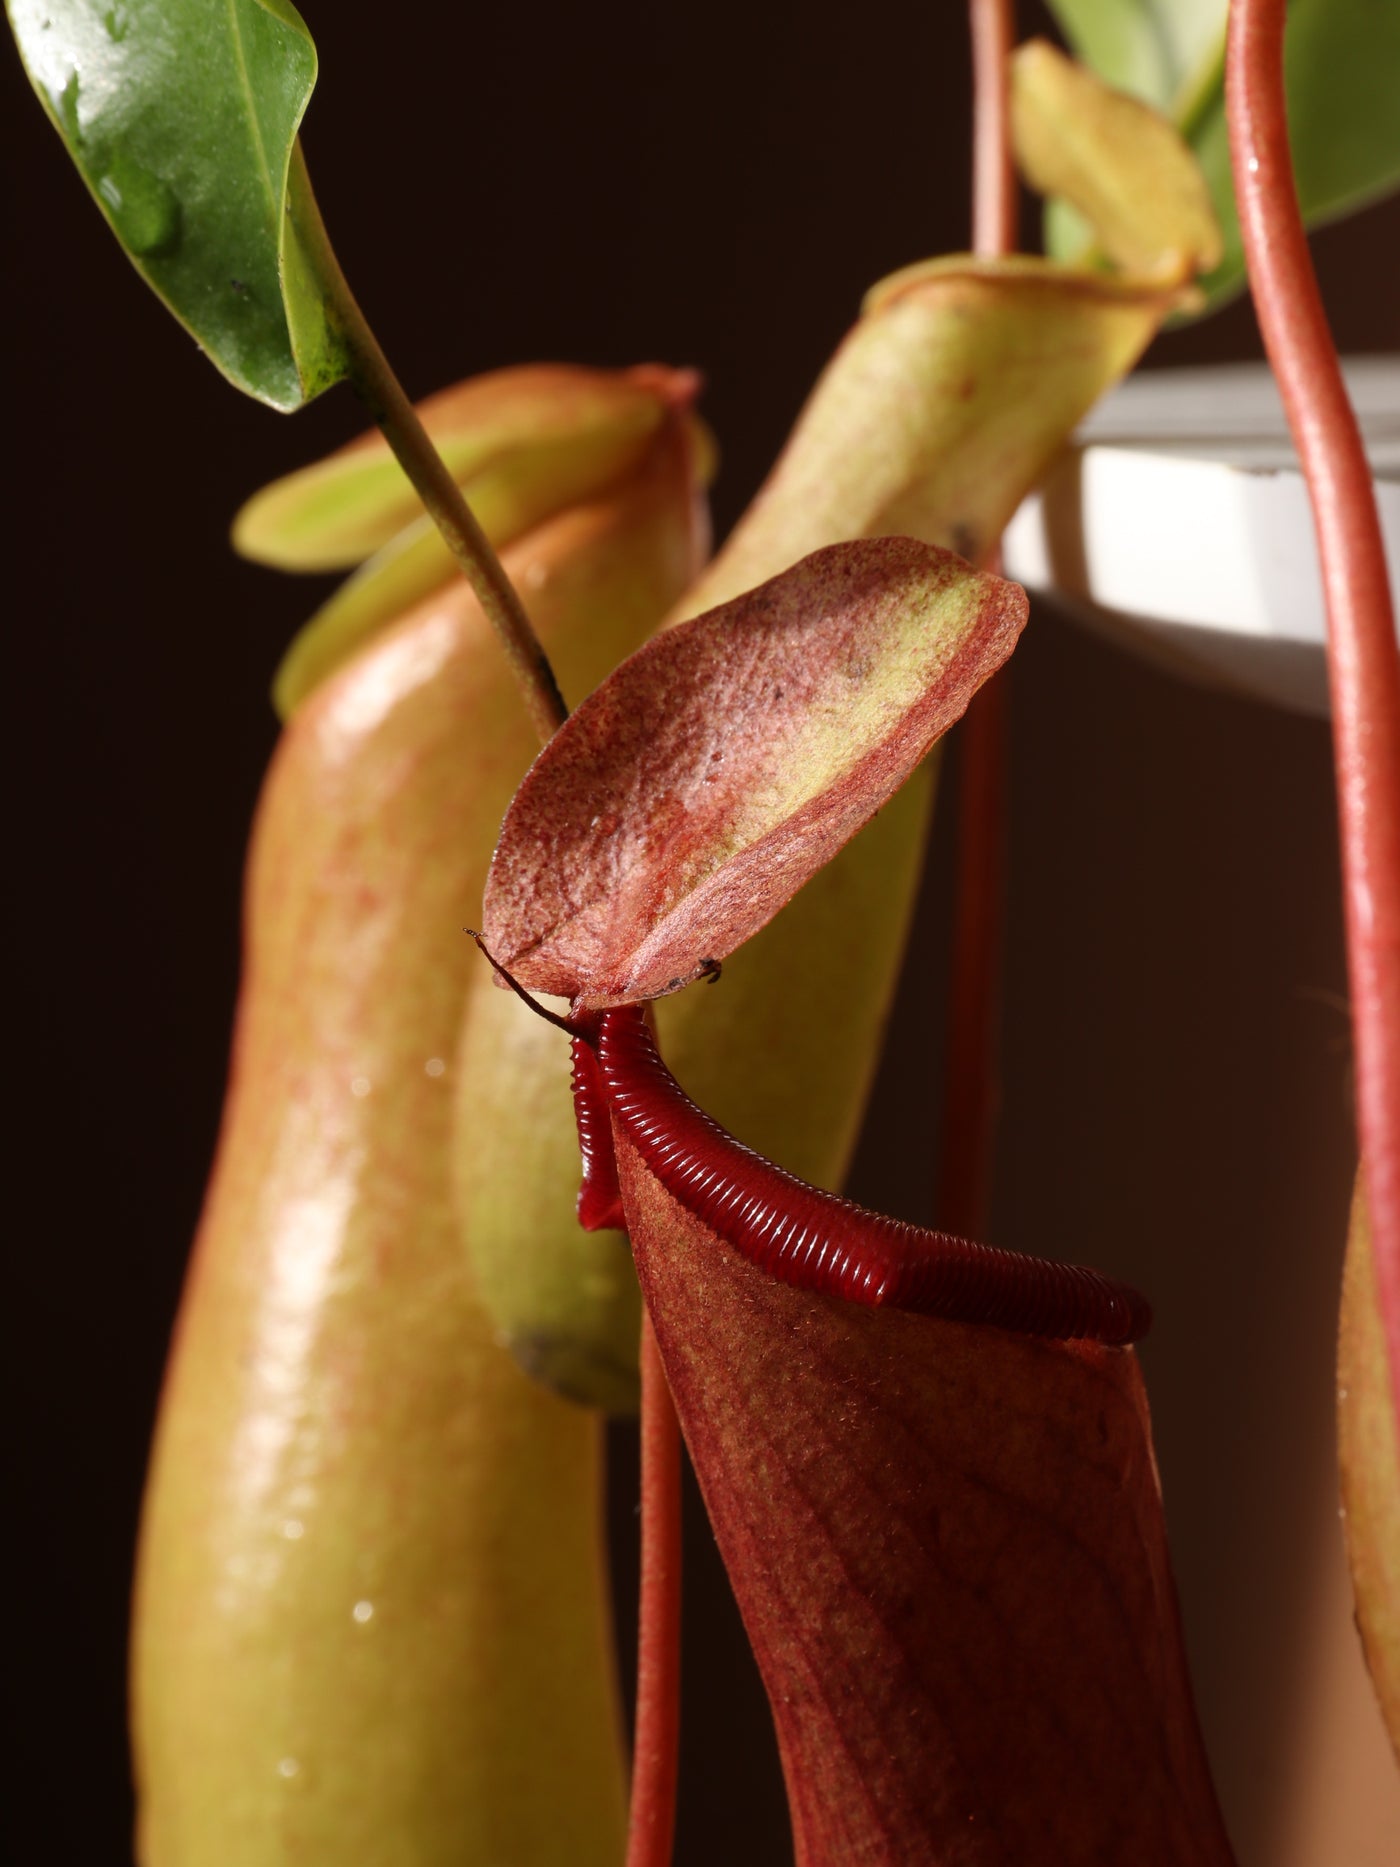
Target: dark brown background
<point>712,186</point>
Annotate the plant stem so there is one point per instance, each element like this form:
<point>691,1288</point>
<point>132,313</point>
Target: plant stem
<point>1363,661</point>
<point>656,1745</point>
<point>993,172</point>
<point>381,392</point>
<point>974,1006</point>
<point>974,1003</point>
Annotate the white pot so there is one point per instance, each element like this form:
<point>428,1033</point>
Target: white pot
<point>1177,523</point>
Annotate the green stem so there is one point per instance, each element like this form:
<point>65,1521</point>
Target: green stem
<point>382,394</point>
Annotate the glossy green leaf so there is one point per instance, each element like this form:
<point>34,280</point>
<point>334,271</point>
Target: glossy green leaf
<point>1340,60</point>
<point>182,117</point>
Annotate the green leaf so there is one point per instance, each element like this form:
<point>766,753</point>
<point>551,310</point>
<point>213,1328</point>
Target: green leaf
<point>1340,61</point>
<point>1149,48</point>
<point>182,117</point>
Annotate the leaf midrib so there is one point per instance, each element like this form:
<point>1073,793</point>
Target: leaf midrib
<point>254,126</point>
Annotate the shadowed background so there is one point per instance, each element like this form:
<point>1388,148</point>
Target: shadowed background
<point>714,187</point>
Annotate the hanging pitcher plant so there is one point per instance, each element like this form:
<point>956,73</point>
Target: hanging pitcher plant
<point>681,798</point>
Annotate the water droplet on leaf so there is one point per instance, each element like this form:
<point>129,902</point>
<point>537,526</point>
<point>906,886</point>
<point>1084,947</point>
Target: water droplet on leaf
<point>144,211</point>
